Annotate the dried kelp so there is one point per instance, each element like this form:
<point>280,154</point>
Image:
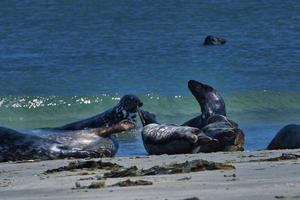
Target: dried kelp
<point>90,164</point>
<point>93,185</point>
<point>173,168</point>
<point>128,183</point>
<point>284,156</point>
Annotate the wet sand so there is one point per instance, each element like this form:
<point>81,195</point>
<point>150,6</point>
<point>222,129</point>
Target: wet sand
<point>252,178</point>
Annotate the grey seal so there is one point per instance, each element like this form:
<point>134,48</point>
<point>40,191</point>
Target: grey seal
<point>126,109</point>
<point>99,142</point>
<point>213,120</point>
<point>214,40</point>
<point>91,137</point>
<point>287,138</point>
<point>169,138</point>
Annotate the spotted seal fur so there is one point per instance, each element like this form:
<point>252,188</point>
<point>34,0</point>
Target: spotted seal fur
<point>213,120</point>
<point>170,139</point>
<point>92,137</point>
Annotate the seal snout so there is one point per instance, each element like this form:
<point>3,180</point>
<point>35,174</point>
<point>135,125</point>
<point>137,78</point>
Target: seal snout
<point>127,125</point>
<point>131,103</point>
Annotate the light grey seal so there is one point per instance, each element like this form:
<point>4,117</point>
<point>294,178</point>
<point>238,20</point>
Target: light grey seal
<point>170,139</point>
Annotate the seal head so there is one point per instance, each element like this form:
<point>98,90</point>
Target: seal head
<point>125,109</point>
<point>210,101</point>
<point>213,40</point>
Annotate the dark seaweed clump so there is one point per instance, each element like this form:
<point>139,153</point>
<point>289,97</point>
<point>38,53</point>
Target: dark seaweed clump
<point>174,168</point>
<point>90,164</point>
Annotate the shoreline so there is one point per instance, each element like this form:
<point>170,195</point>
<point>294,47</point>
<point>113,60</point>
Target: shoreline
<point>252,178</point>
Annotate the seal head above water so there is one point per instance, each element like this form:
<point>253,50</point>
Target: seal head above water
<point>214,40</point>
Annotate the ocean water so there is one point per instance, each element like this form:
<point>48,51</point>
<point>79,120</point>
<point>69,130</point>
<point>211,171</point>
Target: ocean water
<point>62,61</point>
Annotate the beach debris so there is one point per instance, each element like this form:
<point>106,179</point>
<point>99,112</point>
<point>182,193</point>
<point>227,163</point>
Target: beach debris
<point>26,161</point>
<point>184,178</point>
<point>90,164</point>
<point>128,183</point>
<point>232,175</point>
<point>173,168</point>
<point>284,156</point>
<point>93,185</point>
<point>87,178</point>
<point>288,197</point>
<point>191,198</point>
<point>131,171</point>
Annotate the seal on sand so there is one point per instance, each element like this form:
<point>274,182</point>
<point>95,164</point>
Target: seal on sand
<point>287,138</point>
<point>92,137</point>
<point>170,139</point>
<point>99,142</point>
<point>213,121</point>
<point>211,103</point>
<point>230,137</point>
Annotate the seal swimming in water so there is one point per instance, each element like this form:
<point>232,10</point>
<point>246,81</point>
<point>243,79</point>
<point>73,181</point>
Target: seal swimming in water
<point>287,138</point>
<point>84,138</point>
<point>98,142</point>
<point>170,139</point>
<point>213,40</point>
<point>213,121</point>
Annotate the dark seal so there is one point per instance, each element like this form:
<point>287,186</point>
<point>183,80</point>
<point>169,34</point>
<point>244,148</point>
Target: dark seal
<point>213,40</point>
<point>170,139</point>
<point>287,138</point>
<point>92,137</point>
<point>43,145</point>
<point>126,109</point>
<point>213,121</point>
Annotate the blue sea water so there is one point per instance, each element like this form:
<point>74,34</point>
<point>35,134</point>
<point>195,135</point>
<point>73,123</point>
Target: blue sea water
<point>66,60</point>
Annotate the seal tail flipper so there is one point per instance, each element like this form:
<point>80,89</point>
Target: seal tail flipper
<point>124,125</point>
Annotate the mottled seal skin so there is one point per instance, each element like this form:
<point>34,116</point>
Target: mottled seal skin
<point>213,121</point>
<point>126,109</point>
<point>43,145</point>
<point>210,101</point>
<point>170,139</point>
<point>287,138</point>
<point>230,137</point>
<point>213,40</point>
<point>92,137</point>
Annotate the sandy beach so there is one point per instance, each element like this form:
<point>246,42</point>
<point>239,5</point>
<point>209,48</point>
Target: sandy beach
<point>252,178</point>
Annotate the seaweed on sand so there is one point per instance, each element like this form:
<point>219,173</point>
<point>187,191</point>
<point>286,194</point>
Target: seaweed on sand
<point>284,156</point>
<point>173,168</point>
<point>90,164</point>
<point>128,183</point>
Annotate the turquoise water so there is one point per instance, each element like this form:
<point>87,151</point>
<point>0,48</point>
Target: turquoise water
<point>66,60</point>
